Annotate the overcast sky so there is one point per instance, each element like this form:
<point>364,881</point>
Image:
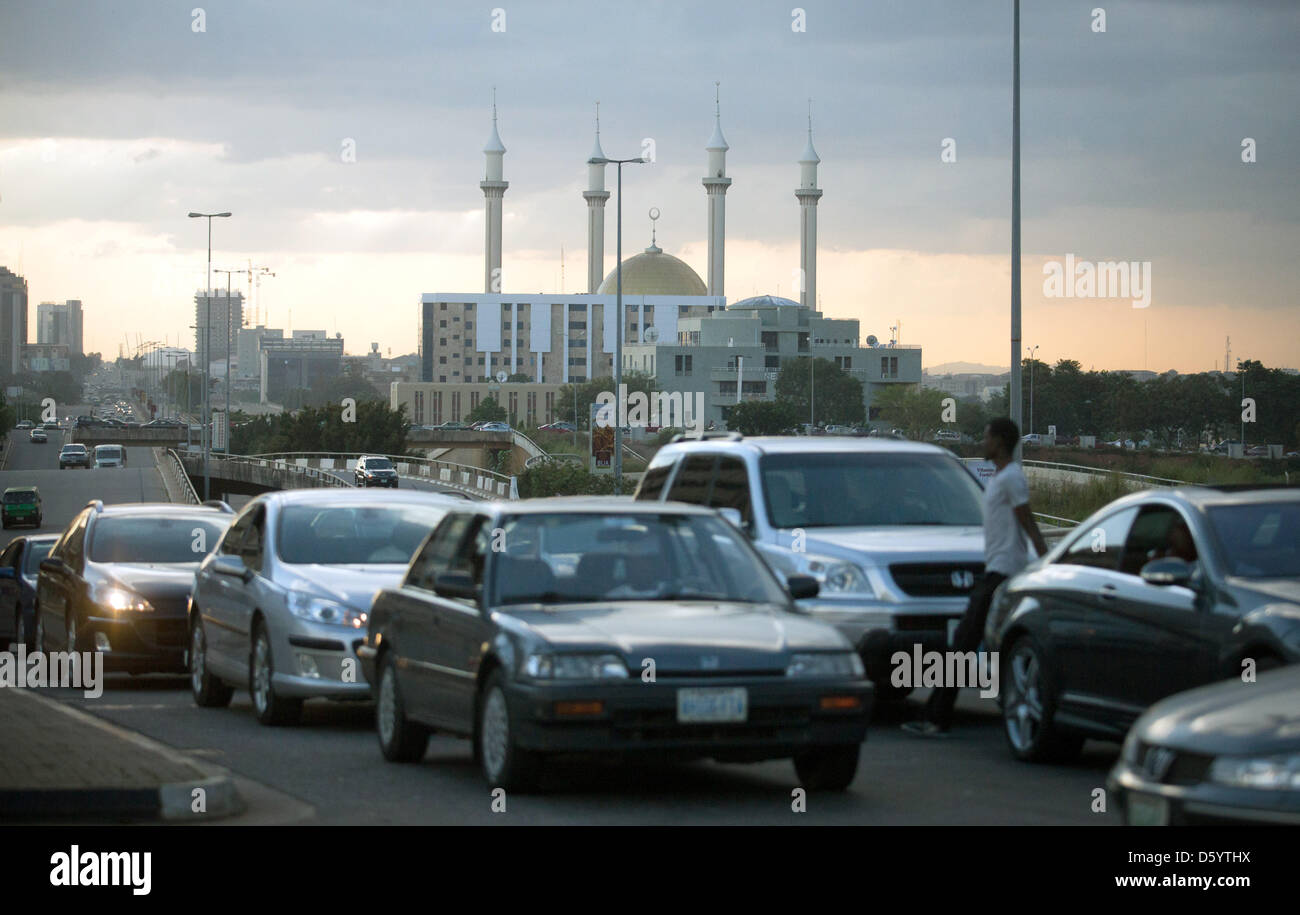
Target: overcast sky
<point>118,118</point>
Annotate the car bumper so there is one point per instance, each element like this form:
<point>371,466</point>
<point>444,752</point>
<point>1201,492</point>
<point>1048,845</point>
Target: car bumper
<point>878,629</point>
<point>147,642</point>
<point>316,661</point>
<point>1144,802</point>
<point>383,484</point>
<point>784,717</point>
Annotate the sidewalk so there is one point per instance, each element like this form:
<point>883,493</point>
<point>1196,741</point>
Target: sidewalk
<point>58,763</point>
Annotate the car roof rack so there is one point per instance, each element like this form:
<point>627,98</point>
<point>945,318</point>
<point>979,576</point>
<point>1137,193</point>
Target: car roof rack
<point>219,505</point>
<point>706,436</point>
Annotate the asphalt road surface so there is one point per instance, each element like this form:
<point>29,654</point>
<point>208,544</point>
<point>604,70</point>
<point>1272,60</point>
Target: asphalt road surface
<point>331,763</point>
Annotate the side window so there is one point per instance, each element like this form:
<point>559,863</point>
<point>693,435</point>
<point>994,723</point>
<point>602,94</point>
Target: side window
<point>72,547</point>
<point>731,488</point>
<point>234,534</point>
<point>438,552</point>
<point>652,483</point>
<point>10,556</point>
<point>1159,531</point>
<point>250,546</point>
<point>692,483</point>
<point>1100,545</point>
<point>474,547</point>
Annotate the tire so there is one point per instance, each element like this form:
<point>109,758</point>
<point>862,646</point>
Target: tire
<point>504,764</point>
<point>271,709</point>
<point>40,519</point>
<point>208,690</point>
<point>887,692</point>
<point>39,637</point>
<point>827,768</point>
<point>1028,700</point>
<point>400,739</point>
<point>70,629</point>
<point>20,630</point>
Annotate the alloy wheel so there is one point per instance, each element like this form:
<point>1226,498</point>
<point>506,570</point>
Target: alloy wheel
<point>496,732</point>
<point>1023,712</point>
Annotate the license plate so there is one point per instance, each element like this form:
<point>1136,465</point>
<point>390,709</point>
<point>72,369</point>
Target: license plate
<point>712,704</point>
<point>1147,810</point>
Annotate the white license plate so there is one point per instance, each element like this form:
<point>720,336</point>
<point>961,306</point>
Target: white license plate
<point>1147,810</point>
<point>712,704</point>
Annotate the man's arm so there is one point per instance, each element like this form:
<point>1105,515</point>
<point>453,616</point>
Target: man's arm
<point>1026,519</point>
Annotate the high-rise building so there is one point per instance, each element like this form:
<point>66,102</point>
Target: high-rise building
<point>60,325</point>
<point>13,321</point>
<point>226,319</point>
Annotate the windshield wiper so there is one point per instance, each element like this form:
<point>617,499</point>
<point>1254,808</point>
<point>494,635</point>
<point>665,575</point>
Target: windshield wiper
<point>546,597</point>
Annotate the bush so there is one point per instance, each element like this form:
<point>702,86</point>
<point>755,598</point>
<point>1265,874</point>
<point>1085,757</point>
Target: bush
<point>563,478</point>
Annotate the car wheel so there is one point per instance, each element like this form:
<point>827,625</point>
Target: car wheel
<point>208,691</point>
<point>270,708</point>
<point>70,621</point>
<point>504,764</point>
<point>888,692</point>
<point>400,739</point>
<point>39,638</point>
<point>1029,707</point>
<point>20,629</point>
<point>827,768</point>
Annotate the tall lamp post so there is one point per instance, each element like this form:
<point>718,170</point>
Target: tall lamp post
<point>1032,349</point>
<point>207,355</point>
<point>229,323</point>
<point>618,338</point>
<point>1017,408</point>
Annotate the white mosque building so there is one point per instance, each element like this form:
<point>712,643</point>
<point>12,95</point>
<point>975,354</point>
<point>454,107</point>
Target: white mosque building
<point>522,348</point>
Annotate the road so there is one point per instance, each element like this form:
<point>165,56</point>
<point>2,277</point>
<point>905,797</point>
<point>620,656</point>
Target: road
<point>331,761</point>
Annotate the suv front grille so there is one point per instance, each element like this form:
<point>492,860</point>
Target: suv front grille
<point>936,579</point>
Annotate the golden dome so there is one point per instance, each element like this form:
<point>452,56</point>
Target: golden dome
<point>654,273</point>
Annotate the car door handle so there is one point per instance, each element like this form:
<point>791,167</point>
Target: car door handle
<point>1108,592</point>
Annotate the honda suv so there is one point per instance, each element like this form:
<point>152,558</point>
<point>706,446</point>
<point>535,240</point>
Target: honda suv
<point>892,530</point>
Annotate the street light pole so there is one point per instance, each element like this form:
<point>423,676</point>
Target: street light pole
<point>1017,408</point>
<point>206,434</point>
<point>620,317</point>
<point>1033,349</point>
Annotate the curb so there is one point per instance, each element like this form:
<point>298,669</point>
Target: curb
<point>171,802</point>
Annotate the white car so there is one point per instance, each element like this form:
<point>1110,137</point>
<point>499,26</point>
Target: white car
<point>38,435</point>
<point>892,530</point>
<point>109,456</point>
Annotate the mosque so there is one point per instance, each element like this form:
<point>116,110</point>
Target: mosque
<point>523,348</point>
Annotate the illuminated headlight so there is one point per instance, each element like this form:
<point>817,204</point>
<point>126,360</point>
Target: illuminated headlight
<point>1277,773</point>
<point>575,667</point>
<point>835,575</point>
<point>321,610</point>
<point>825,664</point>
<point>120,600</point>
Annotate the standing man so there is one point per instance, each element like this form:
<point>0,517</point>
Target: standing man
<point>1008,524</point>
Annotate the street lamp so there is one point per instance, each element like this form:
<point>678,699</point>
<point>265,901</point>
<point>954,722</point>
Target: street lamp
<point>618,339</point>
<point>1032,349</point>
<point>1017,409</point>
<point>207,353</point>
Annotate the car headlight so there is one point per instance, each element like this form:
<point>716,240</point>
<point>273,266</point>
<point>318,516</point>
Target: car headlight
<point>321,610</point>
<point>835,576</point>
<point>825,664</point>
<point>1277,773</point>
<point>575,667</point>
<point>120,600</point>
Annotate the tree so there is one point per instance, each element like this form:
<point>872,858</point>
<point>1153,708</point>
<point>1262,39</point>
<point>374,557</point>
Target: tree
<point>376,429</point>
<point>519,377</point>
<point>836,395</point>
<point>761,417</point>
<point>587,392</point>
<point>915,410</point>
<point>487,411</point>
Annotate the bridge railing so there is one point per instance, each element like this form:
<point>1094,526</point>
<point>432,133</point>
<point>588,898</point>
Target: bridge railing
<point>178,481</point>
<point>473,481</point>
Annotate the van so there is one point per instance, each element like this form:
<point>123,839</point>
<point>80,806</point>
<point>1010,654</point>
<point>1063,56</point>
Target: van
<point>110,456</point>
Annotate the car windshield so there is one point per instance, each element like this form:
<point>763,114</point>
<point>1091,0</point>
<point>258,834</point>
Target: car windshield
<point>22,497</point>
<point>1259,540</point>
<point>379,464</point>
<point>588,557</point>
<point>354,534</point>
<point>153,539</point>
<point>74,449</point>
<point>37,551</point>
<point>863,489</point>
<point>108,453</point>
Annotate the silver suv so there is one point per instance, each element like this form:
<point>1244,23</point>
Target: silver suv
<point>892,530</point>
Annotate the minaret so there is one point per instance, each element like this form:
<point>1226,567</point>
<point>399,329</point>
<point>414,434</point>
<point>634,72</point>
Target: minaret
<point>494,189</point>
<point>808,194</point>
<point>595,195</point>
<point>716,183</point>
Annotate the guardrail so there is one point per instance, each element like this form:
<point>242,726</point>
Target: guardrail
<point>173,469</point>
<point>1102,471</point>
<point>473,481</point>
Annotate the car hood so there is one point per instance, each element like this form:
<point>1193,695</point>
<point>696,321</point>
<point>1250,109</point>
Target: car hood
<point>354,585</point>
<point>686,637</point>
<point>1230,718</point>
<point>170,579</point>
<point>1272,589</point>
<point>900,543</point>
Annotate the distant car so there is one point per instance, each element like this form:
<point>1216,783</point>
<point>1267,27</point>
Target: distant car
<point>21,505</point>
<point>50,427</point>
<point>537,649</point>
<point>25,425</point>
<point>74,454</point>
<point>1033,438</point>
<point>947,435</point>
<point>495,427</point>
<point>375,471</point>
<point>557,427</point>
<point>109,456</point>
<point>281,606</point>
<point>118,582</point>
<point>19,566</point>
<point>452,427</point>
<point>38,436</point>
<point>1160,591</point>
<point>1227,754</point>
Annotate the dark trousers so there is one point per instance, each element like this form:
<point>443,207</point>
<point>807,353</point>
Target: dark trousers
<point>969,634</point>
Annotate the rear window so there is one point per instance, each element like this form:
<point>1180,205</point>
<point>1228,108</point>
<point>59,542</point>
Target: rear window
<point>22,497</point>
<point>108,451</point>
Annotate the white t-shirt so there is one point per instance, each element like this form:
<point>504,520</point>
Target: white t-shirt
<point>1006,548</point>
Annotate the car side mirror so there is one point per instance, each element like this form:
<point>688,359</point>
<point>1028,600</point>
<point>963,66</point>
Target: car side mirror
<point>802,587</point>
<point>1168,570</point>
<point>52,565</point>
<point>457,585</point>
<point>225,564</point>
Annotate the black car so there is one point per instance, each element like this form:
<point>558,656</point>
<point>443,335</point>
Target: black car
<point>19,564</point>
<point>591,626</point>
<point>1158,592</point>
<point>74,454</point>
<point>375,471</point>
<point>118,581</point>
<point>1227,754</point>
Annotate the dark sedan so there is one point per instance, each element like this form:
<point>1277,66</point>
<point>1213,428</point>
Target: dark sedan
<point>607,626</point>
<point>19,564</point>
<point>1159,592</point>
<point>1222,754</point>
